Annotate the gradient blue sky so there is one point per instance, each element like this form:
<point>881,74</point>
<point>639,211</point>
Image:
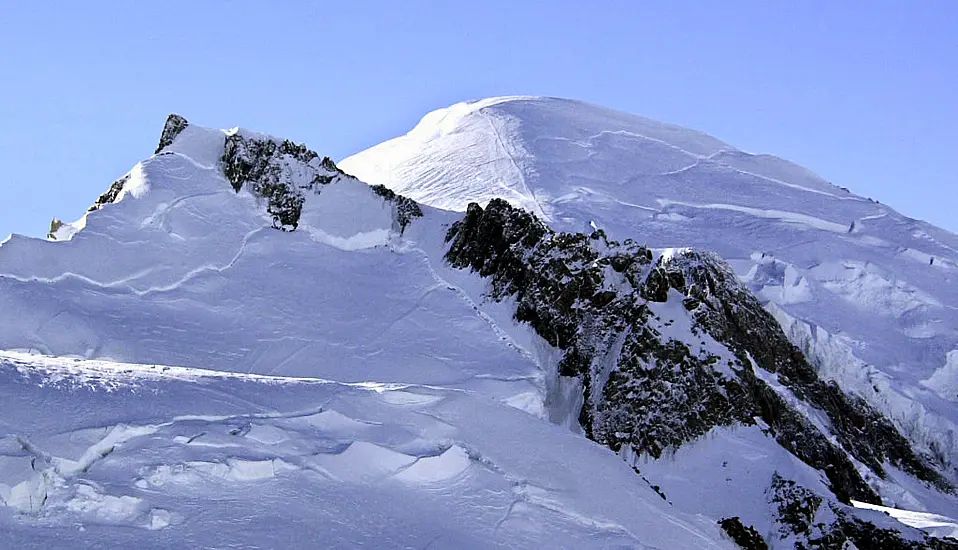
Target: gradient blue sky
<point>863,92</point>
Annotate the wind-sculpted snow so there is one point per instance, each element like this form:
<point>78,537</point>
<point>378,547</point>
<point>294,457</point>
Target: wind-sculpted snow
<point>874,287</point>
<point>103,454</point>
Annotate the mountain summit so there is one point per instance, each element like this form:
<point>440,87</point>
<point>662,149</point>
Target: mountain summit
<point>866,293</point>
<point>242,344</point>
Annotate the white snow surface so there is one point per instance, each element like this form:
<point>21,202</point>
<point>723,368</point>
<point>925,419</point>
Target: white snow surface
<point>178,373</point>
<point>868,294</point>
<point>941,526</point>
<point>98,454</point>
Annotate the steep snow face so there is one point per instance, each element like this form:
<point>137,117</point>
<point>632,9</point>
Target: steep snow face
<point>867,293</point>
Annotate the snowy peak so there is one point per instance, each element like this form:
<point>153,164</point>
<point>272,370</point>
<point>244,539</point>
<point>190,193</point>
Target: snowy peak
<point>293,184</point>
<point>866,293</point>
<point>578,118</point>
<point>511,147</point>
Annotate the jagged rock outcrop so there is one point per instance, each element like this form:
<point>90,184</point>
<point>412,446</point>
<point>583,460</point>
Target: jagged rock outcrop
<point>284,173</point>
<point>175,124</point>
<point>55,225</point>
<point>733,316</point>
<point>405,209</point>
<point>795,506</point>
<point>745,536</point>
<point>846,529</point>
<point>111,194</point>
<point>270,170</point>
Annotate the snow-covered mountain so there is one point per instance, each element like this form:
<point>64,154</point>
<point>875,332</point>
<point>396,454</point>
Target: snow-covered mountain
<point>869,295</point>
<point>328,386</point>
<point>240,344</point>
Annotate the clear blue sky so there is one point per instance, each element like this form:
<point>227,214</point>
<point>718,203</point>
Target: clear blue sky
<point>863,92</point>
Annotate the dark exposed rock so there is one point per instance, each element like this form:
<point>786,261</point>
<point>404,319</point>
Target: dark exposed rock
<point>406,209</point>
<point>795,506</point>
<point>733,316</point>
<point>55,225</point>
<point>283,173</point>
<point>111,194</point>
<point>262,166</point>
<point>745,536</point>
<point>174,125</point>
<point>660,393</point>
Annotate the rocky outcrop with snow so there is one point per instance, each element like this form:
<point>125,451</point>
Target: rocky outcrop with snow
<point>875,288</point>
<point>866,293</point>
<point>671,349</point>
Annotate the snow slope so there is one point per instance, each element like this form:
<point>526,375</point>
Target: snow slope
<point>192,273</point>
<point>99,454</point>
<point>868,294</point>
